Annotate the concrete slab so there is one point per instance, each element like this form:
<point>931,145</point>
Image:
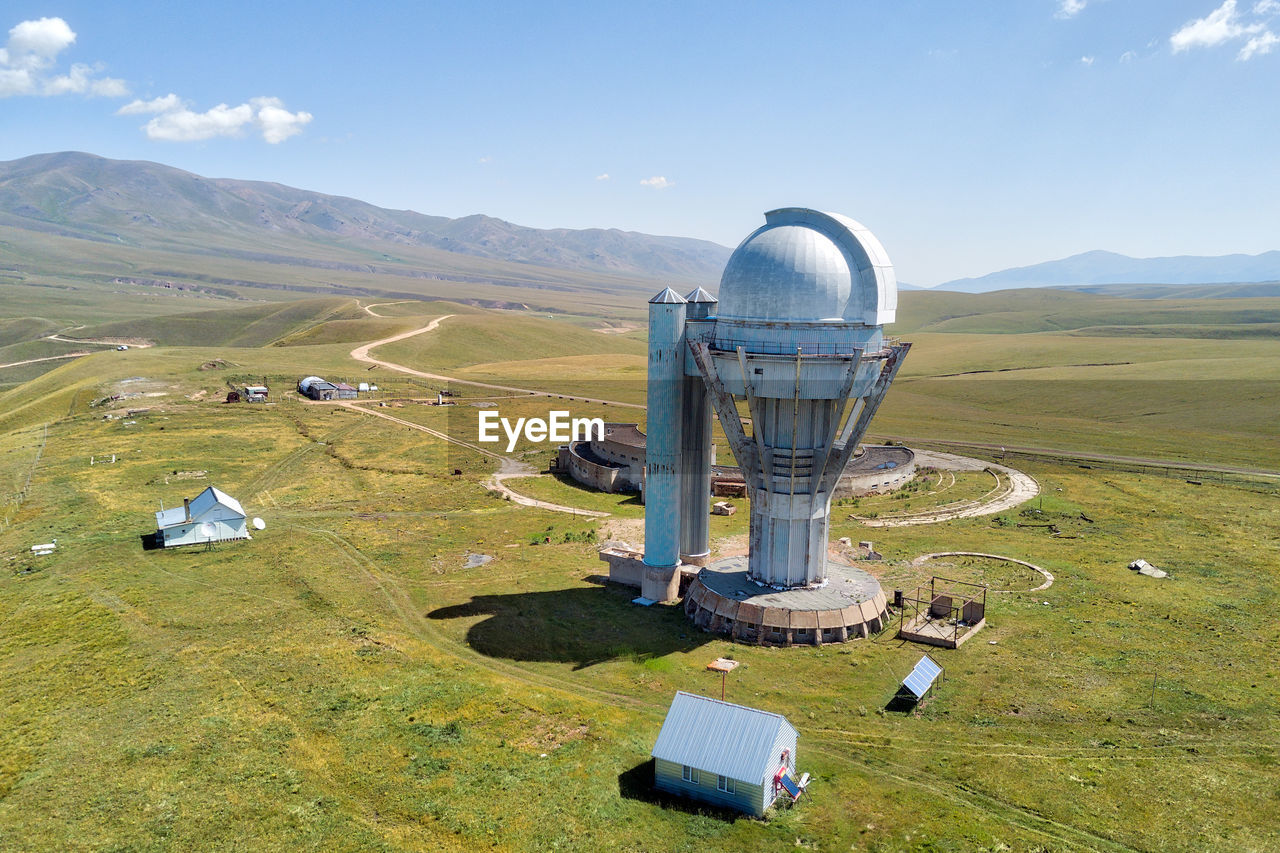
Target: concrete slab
<point>850,604</point>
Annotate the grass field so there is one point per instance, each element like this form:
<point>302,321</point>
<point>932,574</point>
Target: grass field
<point>346,680</point>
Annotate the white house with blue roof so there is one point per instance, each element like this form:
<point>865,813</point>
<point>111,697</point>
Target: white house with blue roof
<point>725,754</point>
<point>212,516</point>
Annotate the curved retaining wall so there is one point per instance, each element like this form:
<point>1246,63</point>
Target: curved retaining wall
<point>782,626</point>
<point>878,469</point>
<point>614,463</point>
<point>598,475</point>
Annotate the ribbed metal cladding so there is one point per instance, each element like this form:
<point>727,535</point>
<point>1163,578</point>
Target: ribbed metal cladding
<point>695,487</point>
<point>664,430</point>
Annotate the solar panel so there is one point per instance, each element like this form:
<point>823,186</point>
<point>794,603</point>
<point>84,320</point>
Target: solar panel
<point>790,784</point>
<point>922,677</point>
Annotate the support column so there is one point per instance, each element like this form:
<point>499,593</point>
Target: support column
<point>664,430</point>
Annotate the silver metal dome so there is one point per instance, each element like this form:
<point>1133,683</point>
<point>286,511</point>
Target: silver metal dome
<point>805,266</point>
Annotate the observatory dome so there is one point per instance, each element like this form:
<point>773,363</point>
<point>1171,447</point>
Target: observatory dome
<point>805,266</point>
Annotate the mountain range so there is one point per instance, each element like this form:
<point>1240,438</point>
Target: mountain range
<point>82,195</point>
<point>1108,268</point>
<point>161,209</point>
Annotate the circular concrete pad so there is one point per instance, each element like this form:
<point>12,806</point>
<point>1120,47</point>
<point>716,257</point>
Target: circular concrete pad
<point>723,600</point>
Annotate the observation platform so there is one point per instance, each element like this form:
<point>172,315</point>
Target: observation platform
<point>723,600</point>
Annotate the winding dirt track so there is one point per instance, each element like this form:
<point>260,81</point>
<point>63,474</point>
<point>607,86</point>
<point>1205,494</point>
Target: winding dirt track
<point>508,468</point>
<point>46,358</point>
<point>361,353</point>
<point>1016,488</point>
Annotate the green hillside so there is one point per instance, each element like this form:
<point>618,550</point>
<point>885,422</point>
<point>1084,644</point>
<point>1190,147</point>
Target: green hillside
<point>15,330</point>
<point>349,678</point>
<point>487,337</point>
<point>1038,310</point>
<point>252,326</point>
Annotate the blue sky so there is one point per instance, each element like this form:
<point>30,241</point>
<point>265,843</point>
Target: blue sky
<point>968,137</point>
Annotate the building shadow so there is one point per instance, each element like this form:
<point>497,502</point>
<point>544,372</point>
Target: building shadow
<point>581,625</point>
<point>151,541</point>
<point>631,499</point>
<point>637,784</point>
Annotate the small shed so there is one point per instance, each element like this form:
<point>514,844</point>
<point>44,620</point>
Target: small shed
<point>724,754</point>
<point>343,391</point>
<point>317,389</point>
<point>255,394</point>
<point>212,516</point>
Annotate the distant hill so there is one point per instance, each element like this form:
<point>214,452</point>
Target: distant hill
<point>1106,268</point>
<point>1066,311</point>
<point>1253,290</point>
<point>156,206</point>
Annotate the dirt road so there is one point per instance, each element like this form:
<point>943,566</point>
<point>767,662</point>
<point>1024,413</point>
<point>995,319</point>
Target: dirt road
<point>508,468</point>
<point>361,353</point>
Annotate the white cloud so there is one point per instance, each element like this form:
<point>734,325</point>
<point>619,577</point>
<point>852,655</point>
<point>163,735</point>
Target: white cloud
<point>38,42</point>
<point>1086,60</point>
<point>80,80</point>
<point>174,121</point>
<point>28,58</point>
<point>657,182</point>
<point>1219,26</point>
<point>1258,45</point>
<point>276,123</point>
<point>1266,7</point>
<point>484,160</point>
<point>602,177</point>
<point>155,105</point>
<point>1070,8</point>
<point>1128,56</point>
<point>184,125</point>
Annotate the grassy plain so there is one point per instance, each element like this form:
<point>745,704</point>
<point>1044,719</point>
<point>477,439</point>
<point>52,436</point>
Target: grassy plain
<point>346,681</point>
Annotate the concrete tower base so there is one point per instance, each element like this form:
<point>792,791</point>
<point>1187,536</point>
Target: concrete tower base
<point>724,601</point>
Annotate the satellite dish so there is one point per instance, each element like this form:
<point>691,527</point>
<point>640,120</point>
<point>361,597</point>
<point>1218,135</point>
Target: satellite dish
<point>259,524</point>
<point>208,529</point>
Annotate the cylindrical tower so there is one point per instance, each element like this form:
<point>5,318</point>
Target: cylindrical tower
<point>696,452</point>
<point>664,430</point>
<point>797,337</point>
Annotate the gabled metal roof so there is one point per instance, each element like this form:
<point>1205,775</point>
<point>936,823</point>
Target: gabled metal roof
<point>210,496</point>
<point>200,504</point>
<point>667,297</point>
<point>720,737</point>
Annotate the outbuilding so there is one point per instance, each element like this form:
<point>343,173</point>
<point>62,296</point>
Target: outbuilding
<point>725,754</point>
<point>212,516</point>
<point>317,389</point>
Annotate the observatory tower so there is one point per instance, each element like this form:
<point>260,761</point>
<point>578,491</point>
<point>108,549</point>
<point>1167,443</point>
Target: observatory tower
<point>796,339</point>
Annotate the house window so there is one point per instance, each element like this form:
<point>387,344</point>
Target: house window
<point>689,774</point>
<point>724,783</point>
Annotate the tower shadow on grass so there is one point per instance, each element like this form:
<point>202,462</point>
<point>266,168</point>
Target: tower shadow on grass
<point>637,784</point>
<point>581,625</point>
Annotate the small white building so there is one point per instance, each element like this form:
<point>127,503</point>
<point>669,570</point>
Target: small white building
<point>725,754</point>
<point>212,516</point>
